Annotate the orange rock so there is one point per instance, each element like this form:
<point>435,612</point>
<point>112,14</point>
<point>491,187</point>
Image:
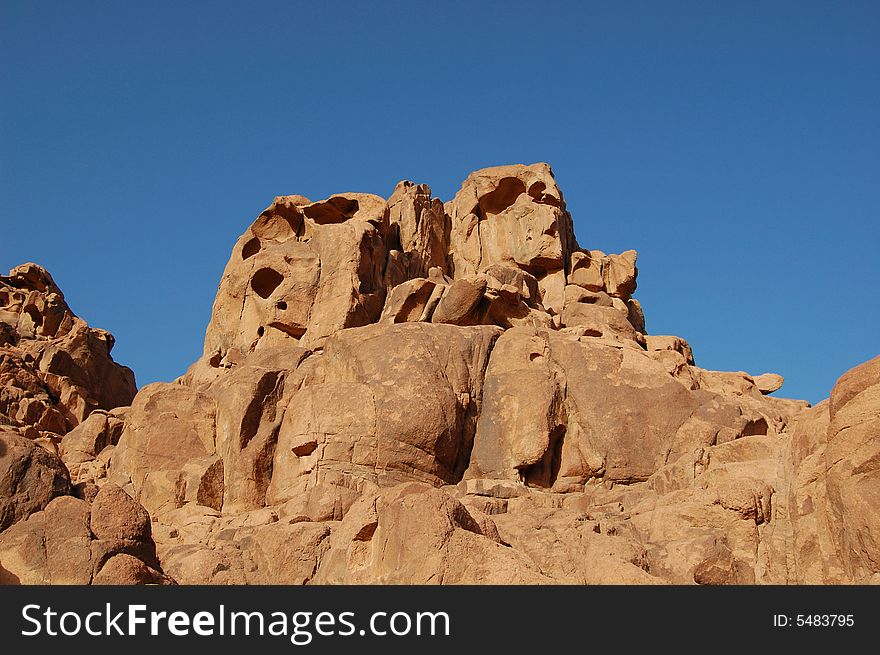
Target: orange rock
<point>404,391</point>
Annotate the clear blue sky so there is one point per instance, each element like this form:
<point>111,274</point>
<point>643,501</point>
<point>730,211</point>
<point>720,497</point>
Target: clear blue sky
<point>736,145</point>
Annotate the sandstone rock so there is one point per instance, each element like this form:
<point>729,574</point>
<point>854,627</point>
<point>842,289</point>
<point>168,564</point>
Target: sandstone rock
<point>30,477</point>
<point>676,344</point>
<point>285,553</point>
<point>413,534</point>
<point>57,546</point>
<point>768,382</point>
<point>574,294</point>
<point>359,423</point>
<point>459,304</point>
<point>422,229</point>
<point>600,321</point>
<point>587,270</point>
<point>413,300</point>
<point>619,274</point>
<point>142,457</point>
<point>403,391</point>
<point>195,563</point>
<point>852,458</point>
<point>54,369</point>
<point>51,546</point>
<point>636,315</point>
<point>510,215</point>
<point>301,271</point>
<point>123,569</point>
<point>806,552</point>
<point>749,497</point>
<point>513,284</point>
<point>551,286</point>
<point>116,516</point>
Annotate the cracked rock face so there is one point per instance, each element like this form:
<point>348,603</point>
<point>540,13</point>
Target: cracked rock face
<point>407,391</point>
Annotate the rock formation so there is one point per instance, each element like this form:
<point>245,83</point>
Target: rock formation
<point>55,370</point>
<point>407,391</point>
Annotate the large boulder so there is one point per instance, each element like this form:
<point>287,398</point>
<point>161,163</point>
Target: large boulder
<point>59,544</point>
<point>396,403</point>
<point>30,477</point>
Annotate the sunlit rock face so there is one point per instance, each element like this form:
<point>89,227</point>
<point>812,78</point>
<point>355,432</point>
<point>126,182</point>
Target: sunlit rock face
<point>412,391</point>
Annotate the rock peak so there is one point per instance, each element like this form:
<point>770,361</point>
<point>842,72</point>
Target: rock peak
<point>412,391</point>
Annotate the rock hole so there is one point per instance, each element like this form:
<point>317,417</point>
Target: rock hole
<point>265,281</point>
<point>280,222</point>
<point>251,248</point>
<point>337,209</point>
<point>544,473</point>
<point>304,449</point>
<point>215,360</point>
<point>537,190</point>
<point>291,329</point>
<point>35,315</point>
<point>261,331</point>
<point>504,195</point>
<point>281,305</point>
<point>367,531</point>
<point>755,427</point>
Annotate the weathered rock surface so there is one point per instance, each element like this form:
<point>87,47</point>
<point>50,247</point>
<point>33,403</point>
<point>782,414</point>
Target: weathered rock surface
<point>71,542</point>
<point>404,391</point>
<point>30,477</point>
<point>54,369</point>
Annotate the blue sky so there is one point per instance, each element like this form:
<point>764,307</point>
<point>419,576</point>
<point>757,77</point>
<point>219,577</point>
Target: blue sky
<point>735,145</point>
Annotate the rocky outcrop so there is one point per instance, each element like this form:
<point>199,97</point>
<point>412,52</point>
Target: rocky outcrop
<point>62,403</point>
<point>55,370</point>
<point>407,391</point>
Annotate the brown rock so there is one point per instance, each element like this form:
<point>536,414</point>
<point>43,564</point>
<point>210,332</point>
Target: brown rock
<point>123,569</point>
<point>511,215</point>
<point>620,273</point>
<point>143,457</point>
<point>852,458</point>
<point>413,300</point>
<point>405,392</point>
<point>768,382</point>
<point>30,477</point>
<point>414,534</point>
<point>301,272</point>
<point>359,424</point>
<point>420,224</point>
<point>117,516</point>
<point>54,369</point>
<point>676,344</point>
<point>587,270</point>
<point>599,321</point>
<point>460,302</point>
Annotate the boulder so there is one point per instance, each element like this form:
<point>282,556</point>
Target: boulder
<point>768,382</point>
<point>30,477</point>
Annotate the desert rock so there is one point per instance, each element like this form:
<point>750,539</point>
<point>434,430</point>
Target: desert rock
<point>54,369</point>
<point>407,391</point>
